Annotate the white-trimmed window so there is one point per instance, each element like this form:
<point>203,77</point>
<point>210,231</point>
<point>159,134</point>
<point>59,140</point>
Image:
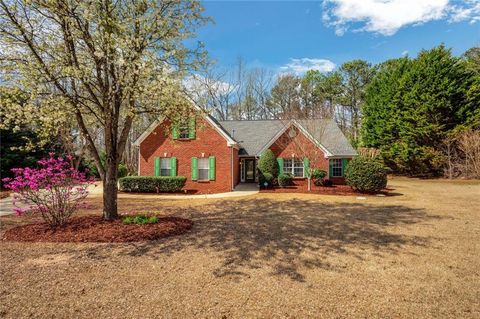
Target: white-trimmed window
<point>183,131</point>
<point>294,167</point>
<point>165,166</point>
<point>337,168</point>
<point>203,169</point>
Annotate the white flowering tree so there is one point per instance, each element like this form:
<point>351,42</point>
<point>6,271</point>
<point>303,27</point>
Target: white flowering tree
<point>98,62</point>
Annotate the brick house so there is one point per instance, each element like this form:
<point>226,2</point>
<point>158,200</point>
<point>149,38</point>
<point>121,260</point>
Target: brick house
<point>215,156</point>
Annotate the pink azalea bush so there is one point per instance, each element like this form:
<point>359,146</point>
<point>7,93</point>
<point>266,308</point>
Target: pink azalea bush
<point>55,190</point>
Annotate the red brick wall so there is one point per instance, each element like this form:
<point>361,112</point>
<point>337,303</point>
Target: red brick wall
<point>207,141</point>
<point>301,146</point>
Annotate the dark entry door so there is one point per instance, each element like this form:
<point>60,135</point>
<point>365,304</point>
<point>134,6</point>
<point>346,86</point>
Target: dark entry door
<point>249,170</point>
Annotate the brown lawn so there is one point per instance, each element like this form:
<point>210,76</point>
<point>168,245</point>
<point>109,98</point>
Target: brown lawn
<point>412,255</point>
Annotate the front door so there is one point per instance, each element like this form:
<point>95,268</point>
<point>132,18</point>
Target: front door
<point>249,170</point>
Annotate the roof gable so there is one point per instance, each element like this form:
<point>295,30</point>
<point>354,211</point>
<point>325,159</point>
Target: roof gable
<point>230,142</point>
<point>256,136</point>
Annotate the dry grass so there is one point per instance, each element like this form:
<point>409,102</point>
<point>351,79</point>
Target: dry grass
<point>271,255</point>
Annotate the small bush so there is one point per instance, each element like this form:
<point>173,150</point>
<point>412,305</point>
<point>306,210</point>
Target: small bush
<point>324,182</point>
<point>318,174</point>
<point>366,175</point>
<point>152,184</point>
<point>285,180</point>
<point>265,180</point>
<point>122,170</point>
<point>268,163</point>
<point>140,220</point>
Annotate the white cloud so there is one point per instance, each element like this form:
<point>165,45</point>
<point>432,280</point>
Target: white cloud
<point>405,52</point>
<point>200,84</point>
<point>299,66</point>
<point>469,11</point>
<point>386,17</point>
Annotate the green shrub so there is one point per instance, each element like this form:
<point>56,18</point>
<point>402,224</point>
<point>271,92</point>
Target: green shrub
<point>122,170</point>
<point>366,175</point>
<point>318,174</point>
<point>152,184</point>
<point>285,180</point>
<point>324,182</point>
<point>265,180</point>
<point>140,220</point>
<point>268,163</point>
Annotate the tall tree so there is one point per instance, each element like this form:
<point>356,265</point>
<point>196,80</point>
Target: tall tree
<point>104,60</point>
<point>284,97</point>
<point>411,107</point>
<point>356,75</point>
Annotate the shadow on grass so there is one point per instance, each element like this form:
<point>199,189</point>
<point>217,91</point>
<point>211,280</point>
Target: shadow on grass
<point>285,236</point>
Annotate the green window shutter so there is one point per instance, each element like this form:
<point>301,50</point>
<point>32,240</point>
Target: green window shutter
<point>191,128</point>
<point>211,166</point>
<point>194,168</point>
<point>344,165</point>
<point>330,168</point>
<point>173,166</point>
<point>157,166</point>
<point>175,132</point>
<point>280,165</point>
<point>306,167</point>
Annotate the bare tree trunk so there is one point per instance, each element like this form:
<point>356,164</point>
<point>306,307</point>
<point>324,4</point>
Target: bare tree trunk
<point>110,189</point>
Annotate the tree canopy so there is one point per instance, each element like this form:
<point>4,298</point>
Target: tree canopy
<point>413,104</point>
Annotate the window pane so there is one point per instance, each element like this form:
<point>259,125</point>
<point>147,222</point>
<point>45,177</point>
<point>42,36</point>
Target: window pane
<point>183,131</point>
<point>337,169</point>
<point>203,168</point>
<point>203,174</point>
<point>165,162</point>
<point>165,166</point>
<point>287,166</point>
<point>298,168</point>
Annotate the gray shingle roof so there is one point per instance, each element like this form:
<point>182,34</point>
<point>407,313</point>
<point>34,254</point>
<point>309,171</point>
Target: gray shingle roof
<point>253,136</point>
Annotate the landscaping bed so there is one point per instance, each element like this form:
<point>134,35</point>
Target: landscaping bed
<point>96,229</point>
<point>333,190</point>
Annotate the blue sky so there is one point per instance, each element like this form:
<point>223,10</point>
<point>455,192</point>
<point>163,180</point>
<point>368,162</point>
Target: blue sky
<point>294,35</point>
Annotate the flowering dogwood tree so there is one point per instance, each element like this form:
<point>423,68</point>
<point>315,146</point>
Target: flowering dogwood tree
<point>55,190</point>
<point>100,63</point>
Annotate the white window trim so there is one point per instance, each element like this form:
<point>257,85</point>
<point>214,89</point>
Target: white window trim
<point>168,160</point>
<point>183,129</point>
<point>337,160</point>
<point>207,160</point>
<point>293,167</point>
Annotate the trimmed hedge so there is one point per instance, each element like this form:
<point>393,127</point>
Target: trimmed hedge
<point>285,180</point>
<point>152,184</point>
<point>366,175</point>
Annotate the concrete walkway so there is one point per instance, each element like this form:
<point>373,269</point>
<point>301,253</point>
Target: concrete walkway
<point>6,206</point>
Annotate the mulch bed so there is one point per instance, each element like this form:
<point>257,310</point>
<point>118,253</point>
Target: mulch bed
<point>96,229</point>
<point>333,190</point>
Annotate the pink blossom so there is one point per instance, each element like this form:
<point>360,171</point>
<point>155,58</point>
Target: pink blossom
<point>55,189</point>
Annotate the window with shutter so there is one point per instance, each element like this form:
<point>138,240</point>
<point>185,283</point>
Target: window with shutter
<point>203,169</point>
<point>337,167</point>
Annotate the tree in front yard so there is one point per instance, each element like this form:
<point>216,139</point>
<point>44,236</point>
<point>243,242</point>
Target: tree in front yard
<point>102,62</point>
